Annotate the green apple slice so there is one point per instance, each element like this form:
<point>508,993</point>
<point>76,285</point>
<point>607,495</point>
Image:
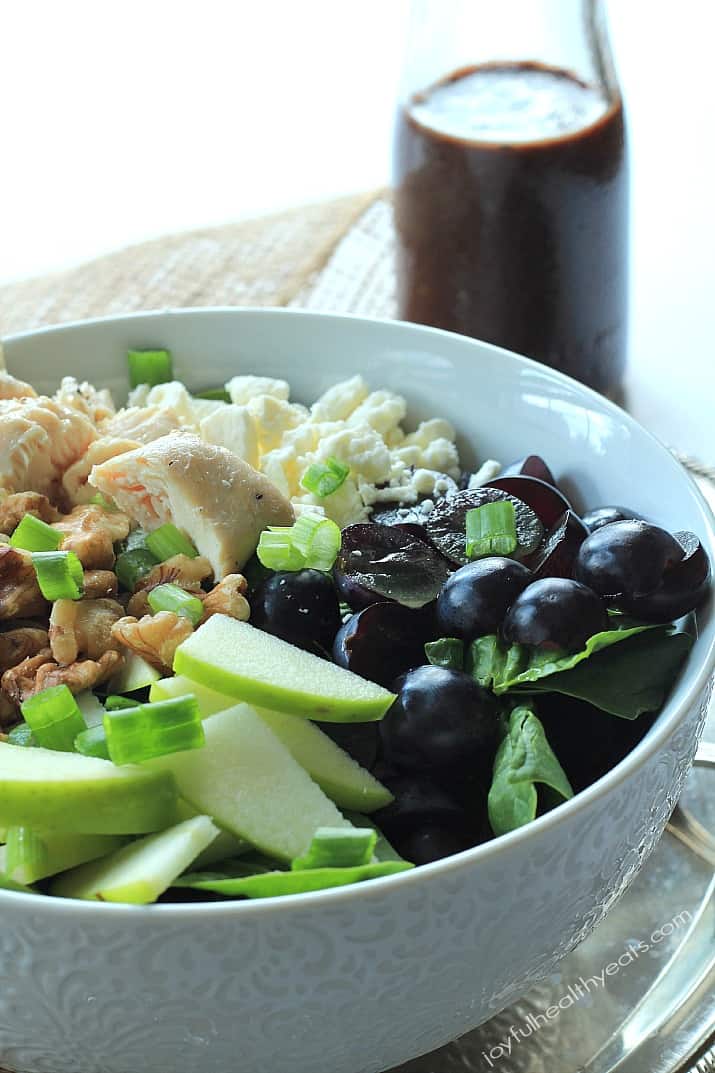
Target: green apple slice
<point>209,701</point>
<point>235,658</point>
<point>135,674</point>
<point>344,781</point>
<point>60,853</point>
<point>77,794</point>
<point>247,780</point>
<point>141,871</point>
<point>225,844</point>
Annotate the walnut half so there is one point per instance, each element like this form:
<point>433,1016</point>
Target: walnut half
<point>83,627</point>
<point>19,592</point>
<point>154,637</point>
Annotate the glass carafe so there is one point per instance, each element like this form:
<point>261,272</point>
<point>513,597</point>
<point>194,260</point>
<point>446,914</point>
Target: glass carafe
<point>511,186</point>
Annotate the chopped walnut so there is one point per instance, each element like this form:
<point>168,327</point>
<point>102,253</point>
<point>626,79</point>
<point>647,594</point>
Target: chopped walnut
<point>14,507</point>
<point>18,645</point>
<point>154,637</point>
<point>8,713</point>
<point>18,683</point>
<point>83,627</point>
<point>179,570</point>
<point>20,595</point>
<point>90,533</point>
<point>85,674</point>
<point>227,598</point>
<point>99,583</point>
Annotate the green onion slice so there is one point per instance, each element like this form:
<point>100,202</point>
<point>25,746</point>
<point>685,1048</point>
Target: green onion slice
<point>149,367</point>
<point>92,742</point>
<point>491,530</point>
<point>131,566</point>
<point>338,847</point>
<point>322,479</point>
<point>148,730</point>
<point>312,543</point>
<point>170,597</point>
<point>59,574</point>
<point>167,541</point>
<point>32,534</point>
<point>54,718</point>
<point>98,500</point>
<point>25,854</point>
<point>115,703</point>
<point>218,393</point>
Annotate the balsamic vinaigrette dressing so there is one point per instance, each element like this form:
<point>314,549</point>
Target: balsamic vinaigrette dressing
<point>511,212</point>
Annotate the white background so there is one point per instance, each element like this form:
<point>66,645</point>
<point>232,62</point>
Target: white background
<point>125,121</point>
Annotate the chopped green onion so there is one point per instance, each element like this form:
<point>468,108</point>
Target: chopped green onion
<point>132,566</point>
<point>338,847</point>
<point>312,543</point>
<point>167,726</point>
<point>170,597</point>
<point>149,367</point>
<point>218,393</point>
<point>54,718</point>
<point>167,541</point>
<point>32,534</point>
<point>25,854</point>
<point>491,529</point>
<point>115,703</point>
<point>92,742</point>
<point>322,479</point>
<point>135,539</point>
<point>59,574</point>
<point>98,500</point>
<point>22,735</point>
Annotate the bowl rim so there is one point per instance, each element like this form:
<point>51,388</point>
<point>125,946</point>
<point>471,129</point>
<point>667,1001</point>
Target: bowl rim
<point>698,676</point>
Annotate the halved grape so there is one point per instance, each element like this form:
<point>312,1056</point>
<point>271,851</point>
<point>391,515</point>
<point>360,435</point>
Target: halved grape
<point>530,466</point>
<point>381,562</point>
<point>627,559</point>
<point>684,585</point>
<point>383,641</point>
<point>446,524</point>
<point>557,555</point>
<point>547,502</point>
<point>415,514</point>
<point>600,516</point>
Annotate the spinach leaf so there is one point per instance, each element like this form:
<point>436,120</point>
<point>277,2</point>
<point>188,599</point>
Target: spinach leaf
<point>523,759</point>
<point>448,652</point>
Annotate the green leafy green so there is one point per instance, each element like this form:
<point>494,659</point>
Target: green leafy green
<point>273,884</point>
<point>523,759</point>
<point>448,652</point>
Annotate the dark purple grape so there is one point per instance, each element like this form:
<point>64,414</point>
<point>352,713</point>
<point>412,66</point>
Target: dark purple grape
<point>475,599</point>
<point>547,502</point>
<point>359,740</point>
<point>626,559</point>
<point>434,842</point>
<point>530,466</point>
<point>419,805</point>
<point>380,562</point>
<point>600,516</point>
<point>300,606</point>
<point>555,613</point>
<point>446,524</point>
<point>557,555</point>
<point>383,641</point>
<point>684,586</point>
<point>442,720</point>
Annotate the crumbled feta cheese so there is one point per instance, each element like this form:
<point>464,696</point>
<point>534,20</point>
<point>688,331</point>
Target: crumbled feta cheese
<point>344,506</point>
<point>173,396</point>
<point>339,401</point>
<point>244,388</point>
<point>274,417</point>
<point>441,455</point>
<point>281,467</point>
<point>307,508</point>
<point>360,447</point>
<point>486,472</point>
<point>205,407</point>
<point>232,427</point>
<point>428,431</point>
<point>382,410</point>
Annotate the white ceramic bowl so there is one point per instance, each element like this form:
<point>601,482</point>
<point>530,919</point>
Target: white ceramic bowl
<point>358,979</point>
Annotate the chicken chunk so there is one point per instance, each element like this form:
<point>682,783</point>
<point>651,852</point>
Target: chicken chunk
<point>39,440</point>
<point>141,423</point>
<point>12,388</point>
<point>91,532</point>
<point>95,404</point>
<point>75,482</point>
<point>206,491</point>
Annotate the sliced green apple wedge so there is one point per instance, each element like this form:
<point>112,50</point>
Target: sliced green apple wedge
<point>237,659</point>
<point>247,780</point>
<point>209,700</point>
<point>78,794</point>
<point>61,852</point>
<point>344,781</point>
<point>141,871</point>
<point>136,673</point>
<point>225,844</point>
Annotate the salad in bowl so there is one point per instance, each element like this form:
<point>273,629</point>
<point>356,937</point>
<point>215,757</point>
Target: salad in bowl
<point>254,647</point>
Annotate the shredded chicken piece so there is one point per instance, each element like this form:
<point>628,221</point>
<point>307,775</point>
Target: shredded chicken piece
<point>99,583</point>
<point>12,388</point>
<point>14,507</point>
<point>85,674</point>
<point>20,594</point>
<point>154,637</point>
<point>142,423</point>
<point>18,683</point>
<point>39,440</point>
<point>75,482</point>
<point>17,645</point>
<point>227,598</point>
<point>95,404</point>
<point>90,533</point>
<point>83,627</point>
